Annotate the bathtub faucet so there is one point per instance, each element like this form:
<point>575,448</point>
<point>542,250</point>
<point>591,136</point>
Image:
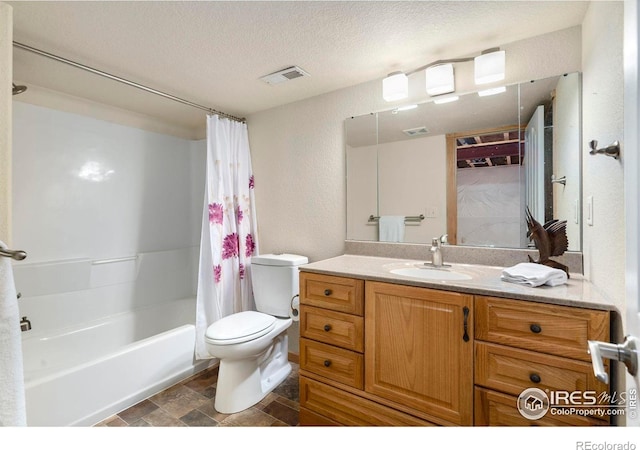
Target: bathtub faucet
<point>25,324</point>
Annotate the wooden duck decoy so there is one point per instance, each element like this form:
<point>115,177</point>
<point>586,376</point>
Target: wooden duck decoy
<point>550,239</point>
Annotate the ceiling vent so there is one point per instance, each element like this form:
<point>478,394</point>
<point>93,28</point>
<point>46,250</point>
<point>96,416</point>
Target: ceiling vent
<point>416,131</point>
<point>287,74</point>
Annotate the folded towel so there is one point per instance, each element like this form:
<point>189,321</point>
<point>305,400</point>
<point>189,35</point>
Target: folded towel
<point>391,229</point>
<point>12,396</point>
<point>534,275</point>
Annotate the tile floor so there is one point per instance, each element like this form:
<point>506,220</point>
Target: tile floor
<point>190,404</point>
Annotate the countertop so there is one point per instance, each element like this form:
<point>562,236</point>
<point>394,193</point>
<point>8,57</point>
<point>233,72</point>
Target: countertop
<point>485,280</point>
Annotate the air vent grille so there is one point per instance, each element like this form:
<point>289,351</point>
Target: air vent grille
<point>416,131</point>
<point>290,73</point>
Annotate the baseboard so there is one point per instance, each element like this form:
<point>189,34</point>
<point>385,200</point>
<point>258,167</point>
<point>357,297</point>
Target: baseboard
<point>294,358</point>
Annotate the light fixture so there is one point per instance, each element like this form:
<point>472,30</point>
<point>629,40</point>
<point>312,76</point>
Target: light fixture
<point>440,79</point>
<point>489,66</point>
<point>492,91</point>
<point>395,87</point>
<point>449,99</point>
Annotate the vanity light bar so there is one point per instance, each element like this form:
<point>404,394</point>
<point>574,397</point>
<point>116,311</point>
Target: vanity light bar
<point>439,75</point>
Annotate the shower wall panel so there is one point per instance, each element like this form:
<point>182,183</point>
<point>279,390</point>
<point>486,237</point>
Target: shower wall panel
<point>87,188</point>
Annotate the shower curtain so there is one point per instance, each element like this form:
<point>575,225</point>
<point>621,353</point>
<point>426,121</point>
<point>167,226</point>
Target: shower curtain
<point>229,236</point>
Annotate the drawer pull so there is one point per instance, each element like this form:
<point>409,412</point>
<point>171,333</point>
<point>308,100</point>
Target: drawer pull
<point>465,336</point>
<point>327,292</point>
<point>327,327</point>
<point>535,378</point>
<point>535,328</point>
<point>327,362</point>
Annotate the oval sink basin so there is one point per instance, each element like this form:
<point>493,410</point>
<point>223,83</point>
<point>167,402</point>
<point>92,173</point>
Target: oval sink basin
<point>431,274</point>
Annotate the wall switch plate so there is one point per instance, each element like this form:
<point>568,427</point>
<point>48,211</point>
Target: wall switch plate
<point>590,210</point>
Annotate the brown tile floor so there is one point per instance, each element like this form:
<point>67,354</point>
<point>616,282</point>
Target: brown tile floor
<point>190,404</point>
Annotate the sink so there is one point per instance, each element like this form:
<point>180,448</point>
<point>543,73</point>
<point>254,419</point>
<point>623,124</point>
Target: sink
<point>428,273</point>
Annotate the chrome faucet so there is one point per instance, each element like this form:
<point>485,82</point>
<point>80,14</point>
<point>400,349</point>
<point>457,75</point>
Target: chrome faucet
<point>436,252</point>
<point>25,324</point>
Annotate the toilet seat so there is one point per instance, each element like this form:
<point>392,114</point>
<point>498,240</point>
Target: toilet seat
<point>239,327</point>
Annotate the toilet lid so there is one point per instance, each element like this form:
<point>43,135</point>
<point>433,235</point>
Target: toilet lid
<point>239,327</point>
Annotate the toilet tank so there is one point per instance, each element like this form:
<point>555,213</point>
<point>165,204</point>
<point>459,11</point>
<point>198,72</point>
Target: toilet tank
<point>274,278</point>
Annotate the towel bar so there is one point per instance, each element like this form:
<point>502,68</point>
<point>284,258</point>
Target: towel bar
<point>18,255</point>
<point>419,218</point>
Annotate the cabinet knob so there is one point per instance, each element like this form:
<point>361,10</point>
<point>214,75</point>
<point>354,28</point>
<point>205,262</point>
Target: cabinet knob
<point>327,363</point>
<point>535,378</point>
<point>535,328</point>
<point>327,292</point>
<point>327,327</point>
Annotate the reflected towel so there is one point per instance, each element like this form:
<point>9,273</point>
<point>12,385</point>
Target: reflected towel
<point>534,275</point>
<point>12,397</point>
<point>391,229</point>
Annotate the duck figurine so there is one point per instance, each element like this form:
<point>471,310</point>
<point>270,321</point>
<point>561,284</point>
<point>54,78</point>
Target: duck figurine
<point>550,240</point>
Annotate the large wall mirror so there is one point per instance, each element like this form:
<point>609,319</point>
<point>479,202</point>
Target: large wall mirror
<point>468,168</point>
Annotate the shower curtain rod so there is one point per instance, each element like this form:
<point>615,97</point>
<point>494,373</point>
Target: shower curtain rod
<point>124,81</point>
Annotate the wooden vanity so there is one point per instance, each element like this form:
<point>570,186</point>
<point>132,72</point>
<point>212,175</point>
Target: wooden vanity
<point>380,352</point>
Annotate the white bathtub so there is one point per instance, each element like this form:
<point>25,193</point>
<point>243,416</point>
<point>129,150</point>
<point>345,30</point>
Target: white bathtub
<point>84,374</point>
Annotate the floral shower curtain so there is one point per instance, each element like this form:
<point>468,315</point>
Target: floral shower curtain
<point>229,237</point>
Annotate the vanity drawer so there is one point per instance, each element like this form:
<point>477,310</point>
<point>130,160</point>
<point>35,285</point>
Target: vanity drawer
<point>553,329</point>
<point>336,293</point>
<point>338,364</point>
<point>512,371</point>
<point>496,409</point>
<point>345,408</point>
<point>330,327</point>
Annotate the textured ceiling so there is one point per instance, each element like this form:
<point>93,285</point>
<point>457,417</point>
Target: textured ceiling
<point>214,52</point>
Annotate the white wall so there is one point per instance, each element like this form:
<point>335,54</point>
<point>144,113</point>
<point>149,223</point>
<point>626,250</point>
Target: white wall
<point>6,62</point>
<point>411,180</point>
<point>602,112</point>
<point>362,190</point>
<point>566,141</point>
<point>298,150</point>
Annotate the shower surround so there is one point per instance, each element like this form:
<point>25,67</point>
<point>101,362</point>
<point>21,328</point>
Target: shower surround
<point>110,218</point>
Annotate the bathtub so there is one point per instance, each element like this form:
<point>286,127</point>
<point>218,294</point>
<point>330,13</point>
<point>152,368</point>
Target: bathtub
<point>83,374</point>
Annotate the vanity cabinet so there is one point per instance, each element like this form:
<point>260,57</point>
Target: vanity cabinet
<point>522,345</point>
<point>384,354</point>
<point>378,353</point>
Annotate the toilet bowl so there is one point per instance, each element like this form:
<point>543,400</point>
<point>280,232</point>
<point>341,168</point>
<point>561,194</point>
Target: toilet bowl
<point>253,346</point>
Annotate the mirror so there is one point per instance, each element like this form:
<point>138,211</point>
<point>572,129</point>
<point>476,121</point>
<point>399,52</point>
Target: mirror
<point>469,167</point>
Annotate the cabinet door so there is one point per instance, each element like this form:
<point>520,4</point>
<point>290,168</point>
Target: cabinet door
<point>419,349</point>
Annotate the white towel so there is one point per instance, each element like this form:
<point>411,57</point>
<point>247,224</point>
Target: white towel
<point>534,275</point>
<point>391,229</point>
<point>12,397</point>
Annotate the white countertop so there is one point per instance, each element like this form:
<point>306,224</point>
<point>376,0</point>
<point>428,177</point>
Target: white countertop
<point>485,280</point>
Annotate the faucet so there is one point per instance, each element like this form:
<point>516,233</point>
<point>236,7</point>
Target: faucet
<point>25,324</point>
<point>436,252</point>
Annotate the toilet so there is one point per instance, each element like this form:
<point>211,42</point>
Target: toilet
<point>253,346</point>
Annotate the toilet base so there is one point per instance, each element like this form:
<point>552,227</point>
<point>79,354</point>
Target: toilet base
<point>244,382</point>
